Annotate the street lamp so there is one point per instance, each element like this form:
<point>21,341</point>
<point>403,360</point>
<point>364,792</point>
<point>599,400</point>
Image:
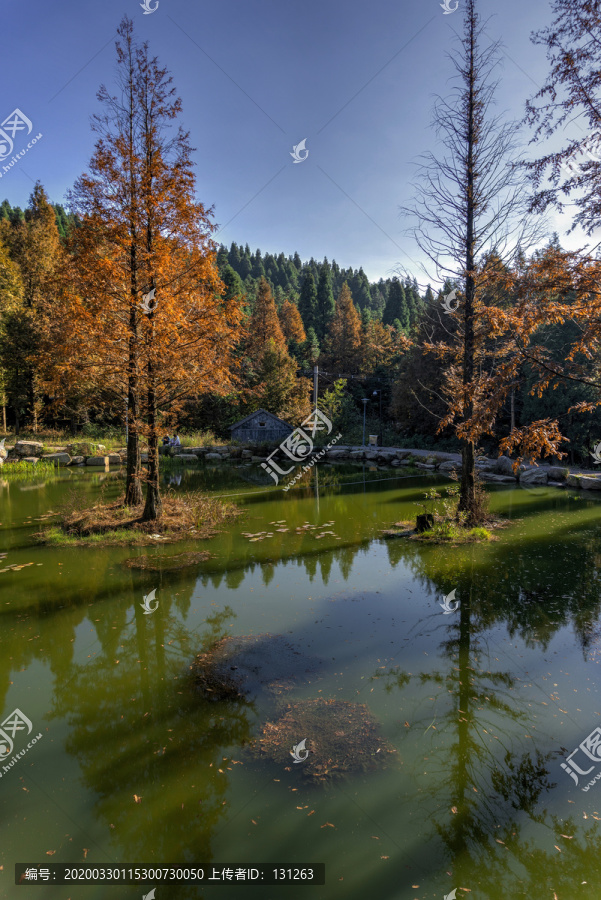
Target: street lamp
<point>373,395</point>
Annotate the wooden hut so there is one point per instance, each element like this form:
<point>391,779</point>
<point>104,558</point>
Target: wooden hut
<point>260,426</point>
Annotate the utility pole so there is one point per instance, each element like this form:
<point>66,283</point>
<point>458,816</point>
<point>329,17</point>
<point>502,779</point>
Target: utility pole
<point>364,408</point>
<point>315,385</point>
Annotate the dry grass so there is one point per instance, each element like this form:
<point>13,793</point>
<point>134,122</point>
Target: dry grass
<point>184,516</point>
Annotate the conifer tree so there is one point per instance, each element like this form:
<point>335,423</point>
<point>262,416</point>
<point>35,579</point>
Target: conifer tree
<point>291,322</point>
<point>307,303</point>
<point>344,334</point>
<point>264,325</point>
<point>325,302</point>
<point>396,305</point>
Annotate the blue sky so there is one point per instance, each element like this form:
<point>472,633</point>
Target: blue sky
<point>355,79</point>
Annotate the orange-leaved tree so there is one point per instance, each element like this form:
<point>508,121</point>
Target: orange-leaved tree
<point>344,333</point>
<point>147,320</point>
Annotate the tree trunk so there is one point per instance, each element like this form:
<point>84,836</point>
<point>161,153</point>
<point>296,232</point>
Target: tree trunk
<point>17,423</point>
<point>133,487</point>
<point>154,506</point>
<point>467,494</point>
<point>512,409</point>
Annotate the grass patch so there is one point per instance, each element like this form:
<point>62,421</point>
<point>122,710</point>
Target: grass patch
<point>184,517</point>
<point>23,471</point>
<point>449,533</point>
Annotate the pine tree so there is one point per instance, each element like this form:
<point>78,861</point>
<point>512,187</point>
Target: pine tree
<point>325,302</point>
<point>396,305</point>
<point>307,304</point>
<point>310,349</point>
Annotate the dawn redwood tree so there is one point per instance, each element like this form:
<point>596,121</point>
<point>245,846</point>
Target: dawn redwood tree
<point>264,324</point>
<point>469,201</point>
<point>144,301</point>
<point>570,95</point>
<point>291,323</point>
<point>344,333</point>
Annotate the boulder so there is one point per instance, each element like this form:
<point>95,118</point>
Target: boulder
<point>114,459</point>
<point>533,475</point>
<point>187,458</point>
<point>590,483</point>
<point>336,454</point>
<point>403,454</point>
<point>501,479</point>
<point>424,466</point>
<point>78,460</point>
<point>504,466</point>
<point>246,454</point>
<point>59,459</point>
<point>356,454</point>
<point>3,451</point>
<point>97,461</point>
<point>144,455</point>
<point>396,462</point>
<point>28,448</point>
<point>218,456</point>
<point>557,473</point>
<point>30,459</point>
<point>448,465</point>
<point>371,455</point>
<point>573,480</point>
<point>405,462</point>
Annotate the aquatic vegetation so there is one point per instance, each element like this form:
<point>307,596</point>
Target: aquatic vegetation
<point>342,738</point>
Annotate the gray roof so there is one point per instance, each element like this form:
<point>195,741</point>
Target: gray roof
<point>256,413</point>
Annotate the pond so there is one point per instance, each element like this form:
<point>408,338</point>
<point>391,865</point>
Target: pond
<point>442,735</point>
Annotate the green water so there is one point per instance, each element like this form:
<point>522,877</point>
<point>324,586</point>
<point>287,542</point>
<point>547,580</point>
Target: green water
<point>481,705</point>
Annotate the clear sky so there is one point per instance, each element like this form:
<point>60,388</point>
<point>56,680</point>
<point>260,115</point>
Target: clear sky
<point>356,79</point>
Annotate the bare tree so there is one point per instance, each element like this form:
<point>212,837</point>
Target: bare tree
<point>470,205</point>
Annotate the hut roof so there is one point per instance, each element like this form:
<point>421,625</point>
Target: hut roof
<point>263,412</point>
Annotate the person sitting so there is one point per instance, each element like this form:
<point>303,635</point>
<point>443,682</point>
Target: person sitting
<point>176,441</point>
<point>166,441</point>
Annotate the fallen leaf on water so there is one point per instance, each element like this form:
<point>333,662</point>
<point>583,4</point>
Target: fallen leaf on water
<point>328,825</point>
<point>137,799</point>
<point>50,852</point>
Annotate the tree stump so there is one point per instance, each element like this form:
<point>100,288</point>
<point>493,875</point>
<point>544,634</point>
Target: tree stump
<point>424,522</point>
